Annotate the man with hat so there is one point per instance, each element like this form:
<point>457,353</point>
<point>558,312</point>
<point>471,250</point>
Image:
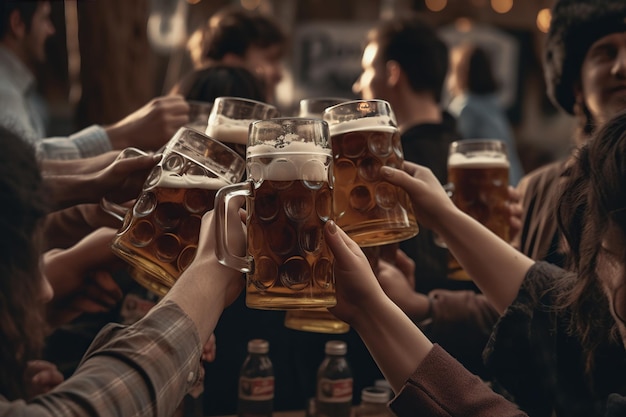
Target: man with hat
<point>585,72</point>
<point>539,362</point>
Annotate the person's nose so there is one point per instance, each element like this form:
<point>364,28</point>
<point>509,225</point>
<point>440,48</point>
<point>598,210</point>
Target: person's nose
<point>619,67</point>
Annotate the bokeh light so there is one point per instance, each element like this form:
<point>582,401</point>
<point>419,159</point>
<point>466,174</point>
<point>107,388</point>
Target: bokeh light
<point>544,17</point>
<point>501,6</point>
<point>436,5</point>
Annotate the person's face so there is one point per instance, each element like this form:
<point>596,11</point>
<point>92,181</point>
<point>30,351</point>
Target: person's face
<point>266,63</point>
<point>372,83</point>
<point>611,271</point>
<point>41,29</point>
<point>603,77</point>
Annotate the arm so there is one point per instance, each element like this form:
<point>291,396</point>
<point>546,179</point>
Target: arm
<point>145,369</point>
<point>423,375</point>
<point>123,178</point>
<point>481,253</point>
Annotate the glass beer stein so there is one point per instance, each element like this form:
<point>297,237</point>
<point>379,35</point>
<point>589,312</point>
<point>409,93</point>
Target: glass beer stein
<point>318,320</point>
<point>478,180</point>
<point>288,200</point>
<point>369,209</point>
<point>159,235</point>
<point>230,119</point>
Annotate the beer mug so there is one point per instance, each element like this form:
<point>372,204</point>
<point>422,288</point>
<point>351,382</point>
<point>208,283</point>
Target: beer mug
<point>288,200</point>
<point>199,112</point>
<point>369,209</point>
<point>159,235</point>
<point>318,320</point>
<point>315,106</point>
<point>230,119</point>
<point>478,180</point>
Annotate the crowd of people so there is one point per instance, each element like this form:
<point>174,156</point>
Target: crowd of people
<point>540,330</point>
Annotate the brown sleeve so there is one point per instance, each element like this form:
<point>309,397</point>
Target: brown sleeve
<point>461,322</point>
<point>440,386</point>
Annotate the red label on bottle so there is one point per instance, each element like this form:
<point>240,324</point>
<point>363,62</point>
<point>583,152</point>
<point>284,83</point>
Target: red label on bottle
<point>256,389</point>
<point>334,390</point>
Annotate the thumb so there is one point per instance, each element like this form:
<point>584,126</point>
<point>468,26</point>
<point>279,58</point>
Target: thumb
<point>346,251</point>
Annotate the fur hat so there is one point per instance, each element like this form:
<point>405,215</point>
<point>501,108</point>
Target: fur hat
<point>575,26</point>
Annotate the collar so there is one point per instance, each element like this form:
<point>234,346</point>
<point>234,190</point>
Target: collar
<point>14,71</point>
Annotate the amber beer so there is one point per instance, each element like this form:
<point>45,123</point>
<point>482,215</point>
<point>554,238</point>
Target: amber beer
<point>293,267</point>
<point>371,210</point>
<point>480,182</point>
<point>160,235</point>
<point>288,200</point>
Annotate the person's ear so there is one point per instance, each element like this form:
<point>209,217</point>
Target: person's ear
<point>17,27</point>
<point>394,73</point>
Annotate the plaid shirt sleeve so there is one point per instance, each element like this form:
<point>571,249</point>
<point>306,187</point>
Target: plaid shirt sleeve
<point>140,370</point>
<point>88,142</point>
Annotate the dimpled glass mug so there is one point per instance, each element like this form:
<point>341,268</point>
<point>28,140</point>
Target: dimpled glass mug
<point>365,138</point>
<point>159,235</point>
<point>288,201</point>
<point>478,181</point>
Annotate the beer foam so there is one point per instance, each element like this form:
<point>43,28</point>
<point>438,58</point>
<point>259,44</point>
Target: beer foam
<point>483,160</point>
<point>228,130</point>
<point>375,123</point>
<point>190,181</point>
<point>295,161</point>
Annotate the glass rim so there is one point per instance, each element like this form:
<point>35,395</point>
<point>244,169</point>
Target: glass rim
<point>221,145</point>
<point>244,100</point>
<point>285,118</point>
<point>346,103</point>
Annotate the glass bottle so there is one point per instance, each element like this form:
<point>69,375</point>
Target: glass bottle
<point>256,382</point>
<point>334,382</point>
<point>373,403</point>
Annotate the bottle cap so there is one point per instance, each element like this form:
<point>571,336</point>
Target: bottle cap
<point>336,347</point>
<point>375,395</point>
<point>258,346</point>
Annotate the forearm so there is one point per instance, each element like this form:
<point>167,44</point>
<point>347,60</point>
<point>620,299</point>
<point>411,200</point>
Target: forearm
<point>495,266</point>
<point>69,190</point>
<point>394,342</point>
<point>202,298</point>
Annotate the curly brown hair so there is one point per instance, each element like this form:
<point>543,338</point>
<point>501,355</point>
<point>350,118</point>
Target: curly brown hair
<point>21,313</point>
<point>593,199</point>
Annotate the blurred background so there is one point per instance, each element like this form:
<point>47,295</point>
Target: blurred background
<point>109,57</point>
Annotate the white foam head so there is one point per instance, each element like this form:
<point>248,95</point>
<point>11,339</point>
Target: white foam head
<point>228,130</point>
<point>482,160</point>
<point>375,123</point>
<point>295,161</point>
<point>171,180</point>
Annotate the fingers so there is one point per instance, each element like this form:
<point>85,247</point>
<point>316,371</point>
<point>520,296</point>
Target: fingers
<point>406,265</point>
<point>347,252</point>
<point>209,350</point>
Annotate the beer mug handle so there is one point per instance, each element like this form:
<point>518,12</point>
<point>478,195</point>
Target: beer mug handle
<point>117,210</point>
<point>222,202</point>
<point>449,188</point>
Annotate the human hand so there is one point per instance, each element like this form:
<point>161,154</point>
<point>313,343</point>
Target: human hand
<point>40,377</point>
<point>120,181</point>
<point>430,200</point>
<point>209,350</point>
<point>81,277</point>
<point>398,282</point>
<point>152,125</point>
<point>356,284</point>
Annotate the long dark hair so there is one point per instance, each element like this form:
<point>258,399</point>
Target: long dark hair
<point>21,211</point>
<point>593,199</point>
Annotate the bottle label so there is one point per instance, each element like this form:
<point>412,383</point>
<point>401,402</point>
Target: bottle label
<point>256,389</point>
<point>334,390</point>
